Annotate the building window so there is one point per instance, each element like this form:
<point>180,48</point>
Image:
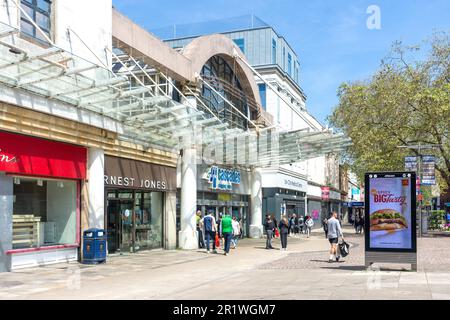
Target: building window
<point>39,11</point>
<point>284,58</point>
<point>241,44</point>
<point>274,51</point>
<point>262,93</point>
<point>44,212</point>
<point>289,68</point>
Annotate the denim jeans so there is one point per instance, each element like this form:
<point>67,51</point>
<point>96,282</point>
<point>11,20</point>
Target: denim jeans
<point>284,240</point>
<point>269,238</point>
<point>235,240</point>
<point>201,242</point>
<point>210,235</point>
<point>227,236</point>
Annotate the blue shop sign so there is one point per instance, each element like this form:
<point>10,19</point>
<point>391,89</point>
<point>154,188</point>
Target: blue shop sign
<point>223,179</point>
<point>356,204</point>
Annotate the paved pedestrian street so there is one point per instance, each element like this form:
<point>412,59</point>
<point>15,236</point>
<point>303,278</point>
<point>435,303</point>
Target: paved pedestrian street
<point>249,272</point>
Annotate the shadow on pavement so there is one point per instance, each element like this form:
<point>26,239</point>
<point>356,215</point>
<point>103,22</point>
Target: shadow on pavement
<point>347,268</point>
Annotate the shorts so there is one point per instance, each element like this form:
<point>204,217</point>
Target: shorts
<point>334,240</point>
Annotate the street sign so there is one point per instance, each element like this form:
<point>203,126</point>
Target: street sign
<point>411,164</point>
<point>428,170</point>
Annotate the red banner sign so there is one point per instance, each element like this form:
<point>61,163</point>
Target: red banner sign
<point>325,193</point>
<point>38,157</point>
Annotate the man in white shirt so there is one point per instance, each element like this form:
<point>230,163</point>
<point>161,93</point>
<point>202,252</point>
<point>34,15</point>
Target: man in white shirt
<point>236,232</point>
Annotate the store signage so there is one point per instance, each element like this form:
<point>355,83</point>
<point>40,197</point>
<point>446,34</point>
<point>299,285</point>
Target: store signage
<point>390,203</point>
<point>222,179</point>
<point>283,181</point>
<point>356,194</point>
<point>25,155</point>
<point>428,170</point>
<point>131,174</point>
<point>7,158</point>
<point>325,193</point>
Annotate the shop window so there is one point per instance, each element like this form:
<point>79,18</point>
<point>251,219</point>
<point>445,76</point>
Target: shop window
<point>274,51</point>
<point>241,44</point>
<point>44,212</point>
<point>40,12</point>
<point>262,93</point>
<point>149,220</point>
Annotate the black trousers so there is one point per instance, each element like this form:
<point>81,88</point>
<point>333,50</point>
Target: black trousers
<point>284,240</point>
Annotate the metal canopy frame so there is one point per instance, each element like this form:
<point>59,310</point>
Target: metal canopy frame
<point>147,113</point>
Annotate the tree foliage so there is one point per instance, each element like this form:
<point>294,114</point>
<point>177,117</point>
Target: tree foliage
<point>406,102</point>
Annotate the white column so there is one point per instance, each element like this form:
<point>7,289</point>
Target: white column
<point>256,228</point>
<point>6,213</point>
<point>96,188</point>
<point>306,205</point>
<point>188,233</point>
<point>170,221</point>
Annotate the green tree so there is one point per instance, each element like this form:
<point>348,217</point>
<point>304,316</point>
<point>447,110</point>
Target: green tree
<point>407,101</point>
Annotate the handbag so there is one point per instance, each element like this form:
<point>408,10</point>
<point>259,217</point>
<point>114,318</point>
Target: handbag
<point>277,233</point>
<point>344,248</point>
<point>217,240</point>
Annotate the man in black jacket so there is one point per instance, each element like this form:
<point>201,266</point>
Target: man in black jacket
<point>269,226</point>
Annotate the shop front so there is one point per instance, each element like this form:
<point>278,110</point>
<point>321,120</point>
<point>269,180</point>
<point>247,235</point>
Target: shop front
<point>40,183</point>
<point>283,194</point>
<point>136,209</point>
<point>224,190</point>
<point>315,205</point>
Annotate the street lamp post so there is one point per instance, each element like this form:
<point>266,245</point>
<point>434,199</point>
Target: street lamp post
<point>419,149</point>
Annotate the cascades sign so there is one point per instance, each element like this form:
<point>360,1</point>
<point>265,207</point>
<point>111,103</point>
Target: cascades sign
<point>222,179</point>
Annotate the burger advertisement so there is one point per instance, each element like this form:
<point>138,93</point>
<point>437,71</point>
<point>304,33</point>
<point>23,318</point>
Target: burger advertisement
<point>391,207</point>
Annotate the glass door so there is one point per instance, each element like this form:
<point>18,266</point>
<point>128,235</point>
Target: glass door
<point>127,225</point>
<point>113,225</point>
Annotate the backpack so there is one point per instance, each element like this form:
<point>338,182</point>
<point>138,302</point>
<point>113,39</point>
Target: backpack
<point>344,248</point>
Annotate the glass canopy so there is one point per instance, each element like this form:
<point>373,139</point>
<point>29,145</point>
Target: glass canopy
<point>145,109</point>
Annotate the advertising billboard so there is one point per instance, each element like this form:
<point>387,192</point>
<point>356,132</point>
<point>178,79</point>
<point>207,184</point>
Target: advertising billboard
<point>391,208</point>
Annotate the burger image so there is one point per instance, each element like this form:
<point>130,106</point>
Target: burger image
<point>388,220</point>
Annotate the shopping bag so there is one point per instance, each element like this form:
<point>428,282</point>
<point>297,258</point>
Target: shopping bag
<point>217,240</point>
<point>344,248</point>
<point>277,233</point>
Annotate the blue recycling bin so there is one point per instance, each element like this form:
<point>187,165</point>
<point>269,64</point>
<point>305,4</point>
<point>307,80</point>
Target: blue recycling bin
<point>94,246</point>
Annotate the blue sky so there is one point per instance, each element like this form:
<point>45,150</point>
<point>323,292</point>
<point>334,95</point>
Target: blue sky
<point>330,36</point>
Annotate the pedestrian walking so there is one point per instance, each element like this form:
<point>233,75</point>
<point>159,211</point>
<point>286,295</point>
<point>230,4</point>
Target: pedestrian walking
<point>284,231</point>
<point>210,228</point>
<point>296,226</point>
<point>201,240</point>
<point>325,227</point>
<point>236,232</point>
<point>309,225</point>
<point>269,226</point>
<point>226,230</point>
<point>275,232</point>
<point>291,225</point>
<point>334,232</point>
<point>301,224</point>
<point>219,234</point>
<point>357,222</point>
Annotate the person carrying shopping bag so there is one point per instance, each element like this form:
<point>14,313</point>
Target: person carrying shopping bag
<point>334,233</point>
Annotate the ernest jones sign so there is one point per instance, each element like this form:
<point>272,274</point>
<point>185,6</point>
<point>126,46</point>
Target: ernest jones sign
<point>130,174</point>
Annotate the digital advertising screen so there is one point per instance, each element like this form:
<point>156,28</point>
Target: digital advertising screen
<point>391,211</point>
